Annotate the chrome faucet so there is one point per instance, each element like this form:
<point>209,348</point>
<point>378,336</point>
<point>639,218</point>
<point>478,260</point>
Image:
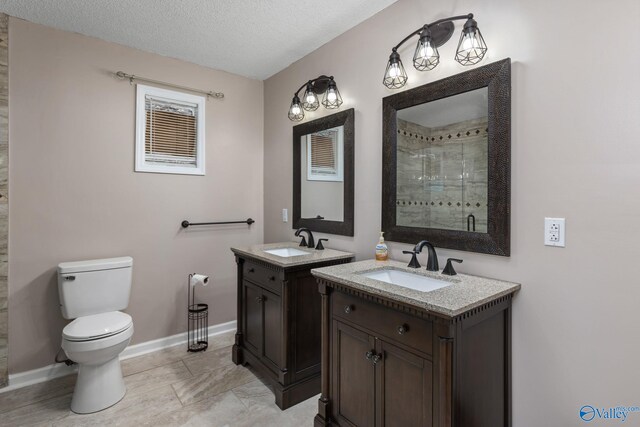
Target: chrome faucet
<point>303,242</point>
<point>432,260</point>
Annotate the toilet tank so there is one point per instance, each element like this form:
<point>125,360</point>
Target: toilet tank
<point>94,286</point>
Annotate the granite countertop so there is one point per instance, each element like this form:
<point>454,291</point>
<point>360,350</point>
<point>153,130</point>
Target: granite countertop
<point>465,292</point>
<point>258,252</point>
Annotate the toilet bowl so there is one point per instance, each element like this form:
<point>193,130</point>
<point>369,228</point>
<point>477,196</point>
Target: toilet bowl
<point>94,343</point>
<point>93,293</point>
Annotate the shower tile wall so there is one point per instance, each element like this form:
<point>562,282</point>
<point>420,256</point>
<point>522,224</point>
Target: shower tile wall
<point>442,175</point>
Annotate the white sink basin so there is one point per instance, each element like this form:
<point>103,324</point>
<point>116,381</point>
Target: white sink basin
<point>407,280</point>
<point>286,252</point>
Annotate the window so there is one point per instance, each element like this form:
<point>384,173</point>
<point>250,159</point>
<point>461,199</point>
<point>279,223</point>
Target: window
<point>324,155</point>
<point>169,131</point>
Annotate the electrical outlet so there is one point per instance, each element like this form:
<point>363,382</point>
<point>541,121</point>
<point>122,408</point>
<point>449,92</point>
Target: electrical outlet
<point>554,231</point>
<point>285,215</point>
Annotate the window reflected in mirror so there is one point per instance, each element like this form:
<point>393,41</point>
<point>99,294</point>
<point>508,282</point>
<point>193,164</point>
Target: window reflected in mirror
<point>322,175</point>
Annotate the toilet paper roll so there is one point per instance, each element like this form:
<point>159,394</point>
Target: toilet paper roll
<point>199,279</point>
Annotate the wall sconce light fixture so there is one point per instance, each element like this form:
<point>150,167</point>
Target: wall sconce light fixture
<point>314,88</point>
<point>471,48</point>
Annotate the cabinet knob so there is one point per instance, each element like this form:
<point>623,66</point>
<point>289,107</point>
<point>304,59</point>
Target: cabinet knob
<point>348,309</point>
<point>259,299</point>
<point>403,328</point>
<point>372,357</point>
<point>272,278</point>
<point>251,270</point>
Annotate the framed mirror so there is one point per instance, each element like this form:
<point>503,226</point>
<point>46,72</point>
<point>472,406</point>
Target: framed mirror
<point>323,174</point>
<point>446,162</point>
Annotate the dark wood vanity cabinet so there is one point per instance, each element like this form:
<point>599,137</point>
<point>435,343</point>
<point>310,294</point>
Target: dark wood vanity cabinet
<point>391,364</point>
<point>261,309</point>
<point>279,326</point>
<point>378,383</point>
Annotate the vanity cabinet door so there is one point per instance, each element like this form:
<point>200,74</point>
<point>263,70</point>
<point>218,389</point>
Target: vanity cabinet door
<point>353,376</point>
<point>263,323</point>
<point>252,317</point>
<point>272,327</point>
<point>404,384</point>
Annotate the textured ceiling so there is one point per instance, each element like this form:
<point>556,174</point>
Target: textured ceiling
<point>253,38</point>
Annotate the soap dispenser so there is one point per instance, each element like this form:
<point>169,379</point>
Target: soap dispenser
<point>382,252</point>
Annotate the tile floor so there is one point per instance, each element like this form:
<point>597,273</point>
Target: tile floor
<point>167,388</point>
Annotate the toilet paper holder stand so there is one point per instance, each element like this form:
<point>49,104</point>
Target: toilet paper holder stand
<point>197,320</point>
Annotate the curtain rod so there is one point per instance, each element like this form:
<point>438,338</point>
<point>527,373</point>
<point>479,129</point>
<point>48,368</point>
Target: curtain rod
<point>122,75</point>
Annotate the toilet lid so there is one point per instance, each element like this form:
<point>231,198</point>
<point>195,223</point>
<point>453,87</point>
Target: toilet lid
<point>97,326</point>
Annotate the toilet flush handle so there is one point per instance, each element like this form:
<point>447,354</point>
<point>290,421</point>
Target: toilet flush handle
<point>70,278</point>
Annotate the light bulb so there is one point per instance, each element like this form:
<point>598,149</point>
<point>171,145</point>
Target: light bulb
<point>394,71</point>
<point>311,97</point>
<point>469,42</point>
<point>295,109</point>
<point>331,96</point>
<point>427,51</point>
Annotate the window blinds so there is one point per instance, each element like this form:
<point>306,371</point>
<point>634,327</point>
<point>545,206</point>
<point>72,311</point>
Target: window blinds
<point>323,152</point>
<point>171,132</point>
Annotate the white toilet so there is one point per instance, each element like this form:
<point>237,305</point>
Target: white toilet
<point>92,292</point>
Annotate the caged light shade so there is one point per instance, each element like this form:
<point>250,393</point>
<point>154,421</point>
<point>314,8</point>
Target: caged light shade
<point>311,102</point>
<point>332,98</point>
<point>426,56</point>
<point>296,113</point>
<point>395,76</point>
<point>471,47</point>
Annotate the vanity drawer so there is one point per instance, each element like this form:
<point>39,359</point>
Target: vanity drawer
<point>392,324</point>
<point>263,276</point>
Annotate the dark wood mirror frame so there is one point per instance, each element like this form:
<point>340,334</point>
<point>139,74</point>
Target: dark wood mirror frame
<point>344,227</point>
<point>497,78</point>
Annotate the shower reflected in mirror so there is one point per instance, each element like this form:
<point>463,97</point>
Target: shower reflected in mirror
<point>442,163</point>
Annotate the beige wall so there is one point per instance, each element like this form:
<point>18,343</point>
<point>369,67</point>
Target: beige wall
<point>75,195</point>
<point>575,106</point>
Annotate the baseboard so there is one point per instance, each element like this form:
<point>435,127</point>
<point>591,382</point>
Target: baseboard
<point>46,373</point>
<point>160,343</point>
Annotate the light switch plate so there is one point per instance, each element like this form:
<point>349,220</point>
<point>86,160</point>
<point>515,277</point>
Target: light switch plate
<point>285,215</point>
<point>554,232</point>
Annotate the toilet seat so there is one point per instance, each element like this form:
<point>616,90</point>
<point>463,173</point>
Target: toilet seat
<point>96,344</point>
<point>97,326</point>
